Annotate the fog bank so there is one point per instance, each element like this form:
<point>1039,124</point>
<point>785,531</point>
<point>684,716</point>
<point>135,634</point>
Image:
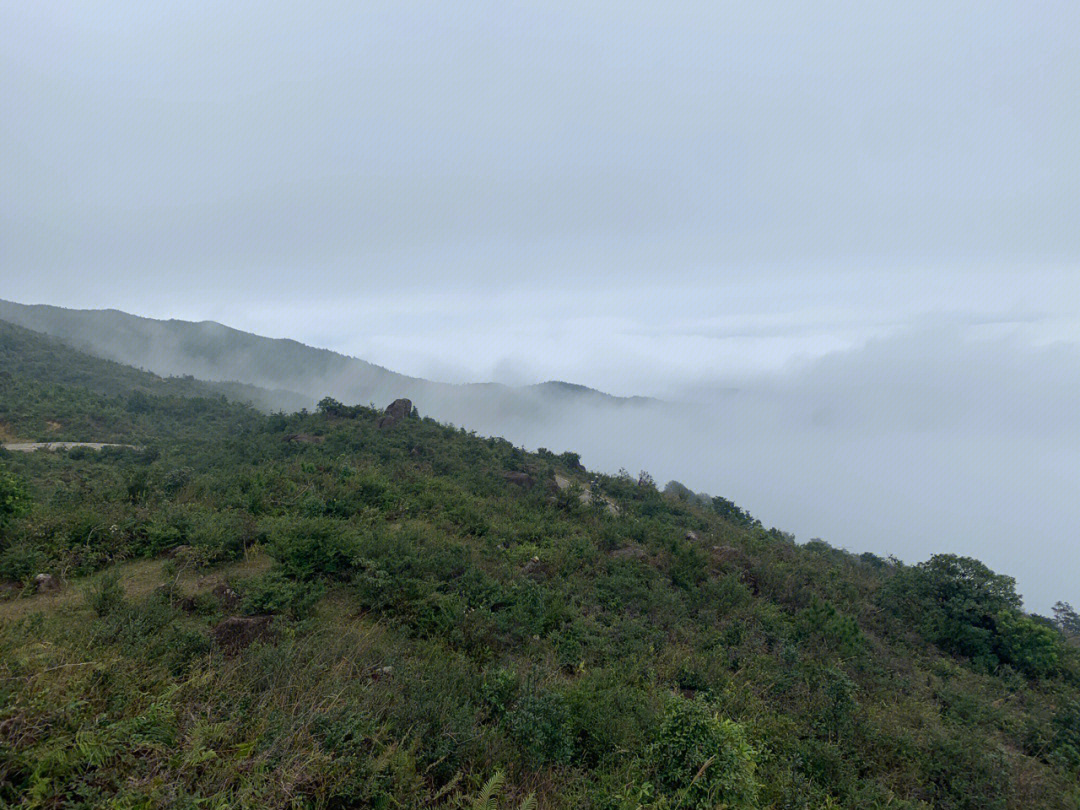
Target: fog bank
<point>917,444</point>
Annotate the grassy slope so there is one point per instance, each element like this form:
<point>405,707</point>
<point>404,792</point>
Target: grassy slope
<point>45,385</point>
<point>434,625</point>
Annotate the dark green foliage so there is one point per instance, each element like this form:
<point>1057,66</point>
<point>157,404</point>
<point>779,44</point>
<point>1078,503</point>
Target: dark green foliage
<point>275,592</point>
<point>306,547</point>
<point>1031,647</point>
<point>702,761</point>
<point>963,607</point>
<point>729,511</point>
<point>540,723</point>
<point>1064,745</point>
<point>1066,619</point>
<point>822,621</point>
<point>21,560</point>
<point>14,499</point>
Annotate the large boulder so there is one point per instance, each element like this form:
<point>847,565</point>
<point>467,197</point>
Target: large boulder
<point>396,411</point>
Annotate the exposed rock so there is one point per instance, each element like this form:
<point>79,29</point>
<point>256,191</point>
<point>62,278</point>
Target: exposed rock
<point>396,411</point>
<point>531,565</point>
<point>303,438</point>
<point>692,537</point>
<point>631,552</point>
<point>586,496</point>
<point>521,479</point>
<point>46,582</point>
<point>237,632</point>
<point>228,598</point>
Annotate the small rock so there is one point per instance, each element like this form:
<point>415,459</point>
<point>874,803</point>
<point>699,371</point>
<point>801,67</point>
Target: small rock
<point>531,565</point>
<point>228,598</point>
<point>692,536</point>
<point>46,582</point>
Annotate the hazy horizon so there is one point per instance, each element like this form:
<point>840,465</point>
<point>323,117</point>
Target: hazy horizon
<point>863,219</point>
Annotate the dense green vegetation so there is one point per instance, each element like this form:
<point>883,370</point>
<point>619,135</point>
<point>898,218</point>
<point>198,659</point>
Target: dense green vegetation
<point>442,635</point>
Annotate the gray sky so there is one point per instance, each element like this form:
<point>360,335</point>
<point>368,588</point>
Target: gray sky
<point>233,160</point>
<point>667,198</point>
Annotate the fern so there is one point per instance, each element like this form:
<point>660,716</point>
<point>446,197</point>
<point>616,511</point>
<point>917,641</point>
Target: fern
<point>486,799</point>
<point>490,791</point>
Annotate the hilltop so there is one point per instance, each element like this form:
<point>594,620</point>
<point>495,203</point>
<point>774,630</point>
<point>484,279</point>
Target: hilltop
<point>288,374</point>
<point>336,609</point>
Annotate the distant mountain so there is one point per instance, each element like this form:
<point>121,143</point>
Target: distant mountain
<point>287,373</point>
<point>28,354</point>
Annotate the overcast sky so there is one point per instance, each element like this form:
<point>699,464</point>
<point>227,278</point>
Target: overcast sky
<point>666,198</point>
<point>735,181</point>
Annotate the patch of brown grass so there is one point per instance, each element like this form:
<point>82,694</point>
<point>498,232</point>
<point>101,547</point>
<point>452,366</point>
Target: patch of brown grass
<point>138,578</point>
<point>7,434</point>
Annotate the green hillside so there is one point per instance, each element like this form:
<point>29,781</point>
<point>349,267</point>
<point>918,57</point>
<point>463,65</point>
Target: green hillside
<point>31,359</point>
<point>333,609</point>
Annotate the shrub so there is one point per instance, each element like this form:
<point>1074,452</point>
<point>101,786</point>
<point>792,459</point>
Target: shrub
<point>824,621</point>
<point>107,596</point>
<point>307,547</point>
<point>21,561</point>
<point>1027,645</point>
<point>499,689</point>
<point>955,602</point>
<point>273,592</point>
<point>540,725</point>
<point>702,761</point>
<point>14,499</point>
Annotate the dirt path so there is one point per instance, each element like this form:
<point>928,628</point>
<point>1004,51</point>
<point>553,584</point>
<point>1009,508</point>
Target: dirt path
<point>30,447</point>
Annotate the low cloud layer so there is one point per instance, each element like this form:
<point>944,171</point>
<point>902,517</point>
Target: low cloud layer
<point>920,443</point>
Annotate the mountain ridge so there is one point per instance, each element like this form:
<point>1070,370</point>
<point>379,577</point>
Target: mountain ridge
<point>212,351</point>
